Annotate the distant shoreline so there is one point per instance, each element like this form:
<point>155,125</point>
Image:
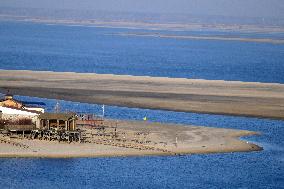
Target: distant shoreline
<point>216,38</point>
<point>167,27</point>
<point>146,25</point>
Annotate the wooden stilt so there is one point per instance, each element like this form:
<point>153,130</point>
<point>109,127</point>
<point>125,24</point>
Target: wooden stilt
<point>66,125</point>
<point>73,124</point>
<point>48,126</point>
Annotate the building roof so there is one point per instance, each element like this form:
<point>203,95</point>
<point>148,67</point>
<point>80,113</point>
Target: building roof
<point>57,116</point>
<point>22,104</point>
<point>16,101</point>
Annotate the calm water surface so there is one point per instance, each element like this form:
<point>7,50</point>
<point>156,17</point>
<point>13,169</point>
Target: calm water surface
<point>89,49</point>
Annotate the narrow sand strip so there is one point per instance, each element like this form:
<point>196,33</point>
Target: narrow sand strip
<point>188,95</point>
<point>215,38</point>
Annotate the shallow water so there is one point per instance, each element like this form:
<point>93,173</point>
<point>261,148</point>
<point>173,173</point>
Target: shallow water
<point>85,49</point>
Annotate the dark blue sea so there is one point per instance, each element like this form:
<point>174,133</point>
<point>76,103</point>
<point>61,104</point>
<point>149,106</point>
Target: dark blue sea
<point>33,46</point>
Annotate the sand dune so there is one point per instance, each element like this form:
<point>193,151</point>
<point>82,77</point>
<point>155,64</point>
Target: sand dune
<point>188,95</point>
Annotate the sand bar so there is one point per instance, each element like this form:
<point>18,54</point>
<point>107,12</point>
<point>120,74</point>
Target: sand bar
<point>145,25</point>
<point>177,94</point>
<point>190,140</point>
<point>216,38</point>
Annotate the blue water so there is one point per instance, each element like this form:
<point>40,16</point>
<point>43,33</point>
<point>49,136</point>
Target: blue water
<point>89,49</point>
<point>231,170</point>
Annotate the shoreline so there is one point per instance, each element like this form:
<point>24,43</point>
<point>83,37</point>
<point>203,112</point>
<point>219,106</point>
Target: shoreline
<point>191,140</point>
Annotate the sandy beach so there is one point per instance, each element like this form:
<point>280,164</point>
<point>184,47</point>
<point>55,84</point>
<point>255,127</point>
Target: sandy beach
<point>252,99</point>
<point>162,137</point>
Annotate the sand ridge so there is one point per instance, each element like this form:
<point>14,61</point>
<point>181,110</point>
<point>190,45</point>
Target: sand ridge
<point>177,94</point>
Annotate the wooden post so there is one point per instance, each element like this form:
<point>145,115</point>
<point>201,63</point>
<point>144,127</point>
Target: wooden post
<point>57,124</point>
<point>66,125</point>
<point>23,134</point>
<point>176,141</point>
<point>73,124</point>
<point>48,126</point>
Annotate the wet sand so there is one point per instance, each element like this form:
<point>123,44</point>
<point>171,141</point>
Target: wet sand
<point>265,100</point>
<point>190,140</point>
<point>216,38</point>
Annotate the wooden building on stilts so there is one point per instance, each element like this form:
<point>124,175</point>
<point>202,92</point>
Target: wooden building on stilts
<point>58,121</point>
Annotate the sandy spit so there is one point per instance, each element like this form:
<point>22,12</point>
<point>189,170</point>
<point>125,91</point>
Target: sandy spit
<point>190,140</point>
<point>265,100</point>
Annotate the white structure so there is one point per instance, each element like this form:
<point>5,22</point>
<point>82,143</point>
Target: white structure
<point>10,102</point>
<point>14,113</point>
<point>11,109</point>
